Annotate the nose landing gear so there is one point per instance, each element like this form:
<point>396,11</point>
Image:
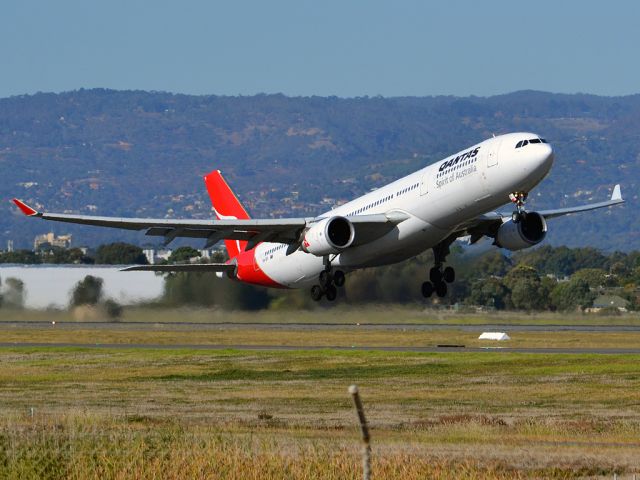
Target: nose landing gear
<point>518,199</point>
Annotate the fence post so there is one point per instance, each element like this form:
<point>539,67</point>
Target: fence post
<point>364,430</point>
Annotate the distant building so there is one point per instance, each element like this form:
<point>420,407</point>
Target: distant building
<point>154,256</point>
<point>9,246</point>
<point>63,241</point>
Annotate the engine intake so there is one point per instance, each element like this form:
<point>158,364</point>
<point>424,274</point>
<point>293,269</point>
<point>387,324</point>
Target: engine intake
<point>529,231</point>
<point>328,236</point>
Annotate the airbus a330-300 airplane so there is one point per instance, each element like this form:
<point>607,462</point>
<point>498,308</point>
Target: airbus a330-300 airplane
<point>430,208</point>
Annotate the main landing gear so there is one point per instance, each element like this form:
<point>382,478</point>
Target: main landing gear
<point>439,277</point>
<point>518,199</point>
<point>328,280</point>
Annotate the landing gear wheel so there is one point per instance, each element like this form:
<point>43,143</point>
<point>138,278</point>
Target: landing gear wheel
<point>316,293</point>
<point>325,278</point>
<point>427,289</point>
<point>441,289</point>
<point>449,275</point>
<point>331,293</point>
<point>435,275</point>
<point>338,278</point>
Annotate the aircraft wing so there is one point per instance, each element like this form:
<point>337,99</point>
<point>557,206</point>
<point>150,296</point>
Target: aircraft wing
<point>488,223</point>
<point>616,198</point>
<point>282,230</point>
<point>285,230</point>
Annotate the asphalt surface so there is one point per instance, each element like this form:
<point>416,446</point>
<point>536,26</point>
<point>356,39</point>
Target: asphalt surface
<point>427,349</point>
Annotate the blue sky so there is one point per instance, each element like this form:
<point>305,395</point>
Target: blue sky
<point>344,48</point>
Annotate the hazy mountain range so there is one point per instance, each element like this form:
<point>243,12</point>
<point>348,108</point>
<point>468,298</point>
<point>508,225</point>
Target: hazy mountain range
<point>134,153</point>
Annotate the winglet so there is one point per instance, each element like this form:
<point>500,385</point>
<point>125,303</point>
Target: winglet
<point>617,194</point>
<point>26,209</point>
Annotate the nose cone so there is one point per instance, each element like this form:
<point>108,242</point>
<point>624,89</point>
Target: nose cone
<point>544,156</point>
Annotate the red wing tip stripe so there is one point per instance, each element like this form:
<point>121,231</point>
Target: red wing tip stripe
<point>26,209</point>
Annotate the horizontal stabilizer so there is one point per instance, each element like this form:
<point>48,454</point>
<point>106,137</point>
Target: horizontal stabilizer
<point>228,268</point>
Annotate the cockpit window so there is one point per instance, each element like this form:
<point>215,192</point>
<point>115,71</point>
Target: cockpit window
<point>524,143</point>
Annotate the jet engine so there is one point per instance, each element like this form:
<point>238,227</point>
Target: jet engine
<point>529,231</point>
<point>328,236</point>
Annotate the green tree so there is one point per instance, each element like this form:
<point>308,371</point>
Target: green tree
<point>206,290</point>
<point>60,255</point>
<point>120,254</point>
<point>526,289</point>
<point>183,255</point>
<point>492,263</point>
<point>26,257</point>
<point>595,277</point>
<point>87,291</point>
<point>14,293</point>
<point>572,295</point>
<point>489,292</point>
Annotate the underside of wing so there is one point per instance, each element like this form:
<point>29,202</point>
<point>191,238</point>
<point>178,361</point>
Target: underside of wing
<point>371,227</point>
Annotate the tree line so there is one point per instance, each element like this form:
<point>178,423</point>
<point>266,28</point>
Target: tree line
<point>542,279</point>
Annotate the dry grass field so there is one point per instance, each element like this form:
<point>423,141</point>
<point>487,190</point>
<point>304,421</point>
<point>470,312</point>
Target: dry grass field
<point>186,413</point>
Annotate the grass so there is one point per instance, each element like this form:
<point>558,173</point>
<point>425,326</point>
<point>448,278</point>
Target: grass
<point>74,412</point>
<point>228,414</point>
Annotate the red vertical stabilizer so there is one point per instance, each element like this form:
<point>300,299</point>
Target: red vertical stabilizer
<point>226,206</point>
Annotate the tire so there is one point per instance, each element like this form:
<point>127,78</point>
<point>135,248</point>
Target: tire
<point>435,275</point>
<point>316,293</point>
<point>338,278</point>
<point>325,278</point>
<point>441,289</point>
<point>331,293</point>
<point>427,289</point>
<point>449,275</point>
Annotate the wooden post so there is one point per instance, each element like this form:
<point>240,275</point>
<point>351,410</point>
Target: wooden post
<point>364,430</point>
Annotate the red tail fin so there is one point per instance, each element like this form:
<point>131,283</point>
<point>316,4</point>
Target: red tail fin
<point>227,207</point>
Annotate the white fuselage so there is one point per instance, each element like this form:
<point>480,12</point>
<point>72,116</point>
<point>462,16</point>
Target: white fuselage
<point>437,199</point>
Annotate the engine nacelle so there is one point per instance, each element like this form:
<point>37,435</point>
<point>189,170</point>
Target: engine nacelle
<point>328,236</point>
<point>529,231</point>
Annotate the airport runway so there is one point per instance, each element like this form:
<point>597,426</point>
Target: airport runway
<point>310,348</point>
<point>330,326</point>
